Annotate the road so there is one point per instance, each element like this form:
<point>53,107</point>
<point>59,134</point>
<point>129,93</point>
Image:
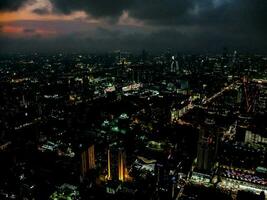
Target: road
<point>229,87</point>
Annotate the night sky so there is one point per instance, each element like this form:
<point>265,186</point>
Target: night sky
<point>155,25</point>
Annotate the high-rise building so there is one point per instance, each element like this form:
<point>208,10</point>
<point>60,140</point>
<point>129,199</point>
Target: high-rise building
<point>207,146</point>
<point>88,159</point>
<point>117,165</point>
<point>121,165</point>
<point>174,64</point>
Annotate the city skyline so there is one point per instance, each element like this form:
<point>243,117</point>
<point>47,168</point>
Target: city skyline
<point>132,99</point>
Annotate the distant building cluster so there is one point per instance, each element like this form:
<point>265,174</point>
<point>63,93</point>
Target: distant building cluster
<point>128,126</point>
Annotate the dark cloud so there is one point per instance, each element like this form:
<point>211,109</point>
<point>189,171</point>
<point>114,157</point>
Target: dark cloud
<point>29,30</point>
<point>156,41</point>
<point>11,5</point>
<point>150,10</point>
<point>179,24</point>
<point>174,12</point>
<point>41,11</point>
<point>253,13</point>
<point>96,8</point>
<point>242,14</point>
<point>161,11</point>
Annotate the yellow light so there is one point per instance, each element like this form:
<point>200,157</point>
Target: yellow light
<point>109,173</point>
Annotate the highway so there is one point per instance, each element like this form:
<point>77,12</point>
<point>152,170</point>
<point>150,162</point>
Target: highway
<point>229,87</point>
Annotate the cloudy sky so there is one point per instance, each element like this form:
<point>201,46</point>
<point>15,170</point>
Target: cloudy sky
<point>155,25</point>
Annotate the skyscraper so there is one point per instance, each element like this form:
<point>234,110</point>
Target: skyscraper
<point>116,164</point>
<point>174,64</point>
<point>207,145</point>
<point>88,159</point>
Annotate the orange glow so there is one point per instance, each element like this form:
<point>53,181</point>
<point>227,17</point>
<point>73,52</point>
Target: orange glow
<point>109,166</point>
<point>26,15</point>
<point>121,165</point>
<point>26,12</point>
<point>19,30</point>
<point>12,29</point>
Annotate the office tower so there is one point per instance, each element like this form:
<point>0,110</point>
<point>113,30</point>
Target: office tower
<point>88,159</point>
<point>116,165</point>
<point>203,153</point>
<point>121,165</point>
<point>207,146</point>
<point>109,166</point>
<point>174,64</point>
<point>84,168</point>
<point>235,64</point>
<point>224,59</point>
<point>91,157</point>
